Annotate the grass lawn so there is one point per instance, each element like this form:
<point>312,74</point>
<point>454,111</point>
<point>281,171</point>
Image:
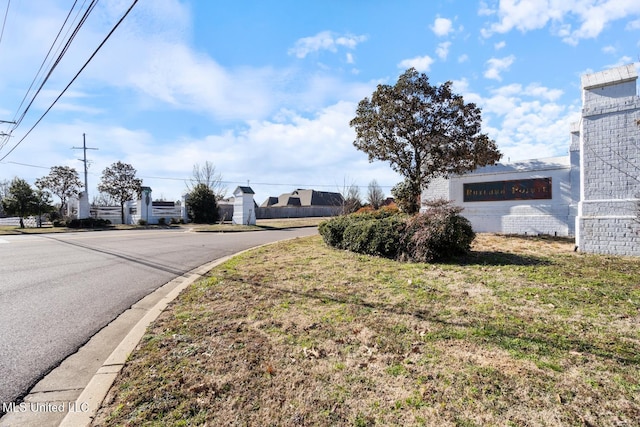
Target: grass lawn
<point>522,332</point>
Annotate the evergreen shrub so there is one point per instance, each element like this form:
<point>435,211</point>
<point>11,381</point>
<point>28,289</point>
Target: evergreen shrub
<point>439,233</point>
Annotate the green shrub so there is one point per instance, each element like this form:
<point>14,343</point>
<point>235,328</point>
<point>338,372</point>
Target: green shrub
<point>439,233</point>
<point>142,222</point>
<point>374,236</point>
<point>374,233</point>
<point>87,223</point>
<point>332,230</point>
<point>162,221</point>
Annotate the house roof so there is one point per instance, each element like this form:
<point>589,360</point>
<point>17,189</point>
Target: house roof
<point>303,197</point>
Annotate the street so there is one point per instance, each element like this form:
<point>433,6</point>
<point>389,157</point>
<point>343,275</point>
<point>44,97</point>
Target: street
<point>58,290</point>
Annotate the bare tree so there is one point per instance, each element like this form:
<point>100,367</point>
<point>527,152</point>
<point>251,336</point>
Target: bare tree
<point>103,199</point>
<point>207,175</point>
<point>375,195</point>
<point>351,199</point>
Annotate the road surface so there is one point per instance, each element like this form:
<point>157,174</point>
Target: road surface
<point>58,290</point>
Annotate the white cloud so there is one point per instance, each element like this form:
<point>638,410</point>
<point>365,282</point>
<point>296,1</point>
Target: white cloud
<point>594,17</point>
<point>485,10</point>
<point>198,83</point>
<point>274,151</point>
<point>463,58</point>
<point>495,67</point>
<point>442,27</point>
<point>279,150</point>
<point>499,45</point>
<point>633,25</point>
<point>526,122</point>
<point>443,50</point>
<point>609,49</point>
<point>420,63</point>
<point>573,19</point>
<point>624,60</point>
<point>325,40</point>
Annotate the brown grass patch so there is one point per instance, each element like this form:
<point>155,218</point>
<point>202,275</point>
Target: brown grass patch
<point>522,332</point>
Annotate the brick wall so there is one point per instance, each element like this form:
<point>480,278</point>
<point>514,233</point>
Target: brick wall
<point>610,172</point>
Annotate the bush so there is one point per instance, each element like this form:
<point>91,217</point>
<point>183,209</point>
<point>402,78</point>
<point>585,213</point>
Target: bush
<point>373,233</point>
<point>332,231</point>
<point>142,222</point>
<point>375,236</point>
<point>439,233</point>
<point>365,209</point>
<point>87,223</point>
<point>162,221</point>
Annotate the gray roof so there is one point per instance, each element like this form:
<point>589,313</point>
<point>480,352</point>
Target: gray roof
<point>244,190</point>
<point>302,197</point>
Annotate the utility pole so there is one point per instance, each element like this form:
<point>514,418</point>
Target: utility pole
<point>84,148</point>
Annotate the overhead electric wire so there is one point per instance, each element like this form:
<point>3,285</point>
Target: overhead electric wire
<point>4,21</point>
<point>58,59</point>
<point>44,61</point>
<point>95,52</point>
<point>4,136</point>
<point>17,122</point>
<point>168,178</point>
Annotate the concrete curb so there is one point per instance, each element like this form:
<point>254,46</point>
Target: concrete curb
<point>89,401</point>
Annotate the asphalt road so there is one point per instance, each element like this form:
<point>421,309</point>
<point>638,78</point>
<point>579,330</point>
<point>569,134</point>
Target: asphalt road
<point>56,291</point>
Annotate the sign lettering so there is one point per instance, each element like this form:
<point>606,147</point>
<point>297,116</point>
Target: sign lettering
<point>521,189</point>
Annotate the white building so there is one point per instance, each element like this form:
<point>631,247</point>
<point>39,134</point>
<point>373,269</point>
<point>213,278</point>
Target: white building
<point>592,194</point>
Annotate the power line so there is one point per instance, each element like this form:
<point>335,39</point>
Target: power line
<point>168,178</point>
<point>35,78</point>
<point>4,136</point>
<point>55,64</point>
<point>95,52</point>
<point>4,21</point>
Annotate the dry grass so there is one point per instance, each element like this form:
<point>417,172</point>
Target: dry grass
<point>522,332</point>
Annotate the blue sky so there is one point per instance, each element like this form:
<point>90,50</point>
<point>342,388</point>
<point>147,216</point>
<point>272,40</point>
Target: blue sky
<point>265,89</point>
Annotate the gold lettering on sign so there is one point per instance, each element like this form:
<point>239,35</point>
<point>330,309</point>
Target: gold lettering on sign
<point>521,189</point>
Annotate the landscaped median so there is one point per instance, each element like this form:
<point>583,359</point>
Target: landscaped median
<point>522,331</point>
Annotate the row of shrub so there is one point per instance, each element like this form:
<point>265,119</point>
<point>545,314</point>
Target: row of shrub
<point>437,234</point>
<point>84,223</point>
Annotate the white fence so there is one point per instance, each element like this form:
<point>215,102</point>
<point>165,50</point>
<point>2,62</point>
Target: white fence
<point>167,212</point>
<point>30,221</point>
<point>111,213</point>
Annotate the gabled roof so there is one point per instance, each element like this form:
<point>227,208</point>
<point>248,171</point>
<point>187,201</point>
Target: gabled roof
<point>243,190</point>
<point>302,197</point>
<point>271,200</point>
